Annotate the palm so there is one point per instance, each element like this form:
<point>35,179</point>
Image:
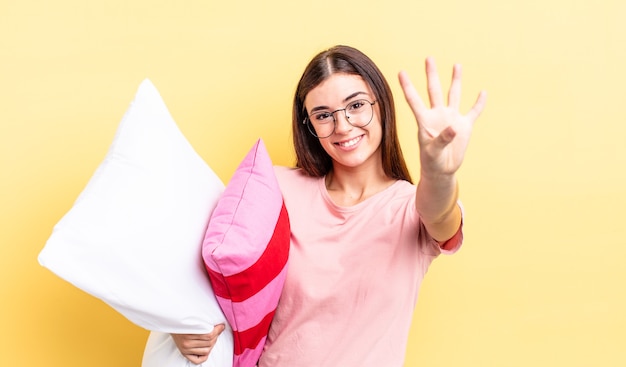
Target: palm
<point>443,132</point>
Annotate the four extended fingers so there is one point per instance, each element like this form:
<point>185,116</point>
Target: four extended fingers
<point>433,83</point>
<point>454,94</point>
<point>410,94</point>
<point>478,107</point>
<point>435,93</point>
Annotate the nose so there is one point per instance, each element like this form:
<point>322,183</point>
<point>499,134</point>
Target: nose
<point>342,122</point>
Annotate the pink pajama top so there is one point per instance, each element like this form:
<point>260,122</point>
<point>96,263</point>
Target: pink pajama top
<point>353,278</point>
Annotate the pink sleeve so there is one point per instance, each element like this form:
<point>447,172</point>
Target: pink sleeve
<point>454,243</point>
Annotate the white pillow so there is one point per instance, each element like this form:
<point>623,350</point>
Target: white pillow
<point>133,237</point>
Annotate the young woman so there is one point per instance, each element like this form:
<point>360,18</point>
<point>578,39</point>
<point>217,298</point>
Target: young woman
<point>363,236</point>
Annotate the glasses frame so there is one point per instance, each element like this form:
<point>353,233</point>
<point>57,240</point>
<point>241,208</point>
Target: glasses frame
<point>311,128</point>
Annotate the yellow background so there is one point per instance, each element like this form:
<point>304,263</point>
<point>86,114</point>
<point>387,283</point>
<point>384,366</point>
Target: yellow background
<point>540,281</point>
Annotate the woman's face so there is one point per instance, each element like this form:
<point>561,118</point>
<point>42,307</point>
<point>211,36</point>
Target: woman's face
<point>348,145</point>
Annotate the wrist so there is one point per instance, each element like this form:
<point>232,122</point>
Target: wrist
<point>438,179</point>
<point>437,197</point>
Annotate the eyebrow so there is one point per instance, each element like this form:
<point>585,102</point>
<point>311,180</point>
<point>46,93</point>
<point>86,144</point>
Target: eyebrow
<point>345,100</point>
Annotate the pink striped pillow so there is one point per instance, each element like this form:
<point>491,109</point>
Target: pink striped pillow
<point>245,252</point>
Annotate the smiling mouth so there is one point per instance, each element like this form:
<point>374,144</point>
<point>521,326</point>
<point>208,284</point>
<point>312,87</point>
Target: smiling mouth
<point>350,143</point>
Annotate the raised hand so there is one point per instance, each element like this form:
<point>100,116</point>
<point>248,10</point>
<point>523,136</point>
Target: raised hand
<point>443,132</point>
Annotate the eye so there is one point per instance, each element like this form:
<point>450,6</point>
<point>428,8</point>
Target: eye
<point>356,105</point>
<point>322,117</point>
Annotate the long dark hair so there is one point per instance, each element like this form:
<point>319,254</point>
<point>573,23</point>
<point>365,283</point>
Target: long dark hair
<point>310,156</point>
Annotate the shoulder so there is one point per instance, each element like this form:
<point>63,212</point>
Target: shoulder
<point>400,195</point>
<point>291,175</point>
<point>402,187</point>
<point>293,179</point>
<point>282,171</point>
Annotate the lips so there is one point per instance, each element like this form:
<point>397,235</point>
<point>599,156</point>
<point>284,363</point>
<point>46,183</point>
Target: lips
<point>350,143</point>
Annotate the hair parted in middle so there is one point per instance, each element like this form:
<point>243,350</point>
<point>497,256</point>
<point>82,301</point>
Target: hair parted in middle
<point>310,155</point>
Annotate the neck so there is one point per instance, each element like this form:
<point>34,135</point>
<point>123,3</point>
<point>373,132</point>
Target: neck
<point>351,186</point>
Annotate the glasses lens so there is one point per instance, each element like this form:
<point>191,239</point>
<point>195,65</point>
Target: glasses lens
<point>321,124</point>
<point>359,113</point>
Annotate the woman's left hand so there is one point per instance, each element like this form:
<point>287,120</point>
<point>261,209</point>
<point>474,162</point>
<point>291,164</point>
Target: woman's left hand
<point>197,347</point>
<point>443,132</point>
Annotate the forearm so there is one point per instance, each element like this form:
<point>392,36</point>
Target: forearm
<point>436,202</point>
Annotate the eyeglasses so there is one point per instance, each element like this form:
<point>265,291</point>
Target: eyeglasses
<point>322,124</point>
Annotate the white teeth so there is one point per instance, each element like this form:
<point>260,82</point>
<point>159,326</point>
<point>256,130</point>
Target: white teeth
<point>350,143</point>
